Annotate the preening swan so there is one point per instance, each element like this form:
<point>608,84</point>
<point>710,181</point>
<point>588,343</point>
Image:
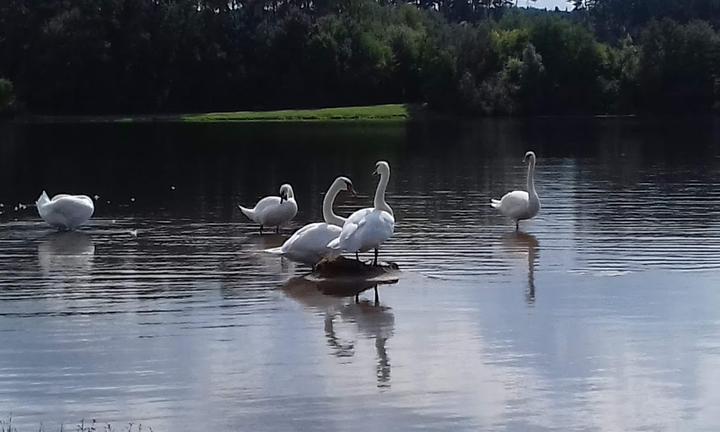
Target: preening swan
<point>273,210</point>
<point>309,244</point>
<point>65,212</point>
<point>370,227</point>
<point>521,205</point>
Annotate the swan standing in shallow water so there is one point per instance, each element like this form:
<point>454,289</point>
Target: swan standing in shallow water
<point>309,244</point>
<point>370,227</point>
<point>273,210</point>
<point>65,212</point>
<point>521,205</point>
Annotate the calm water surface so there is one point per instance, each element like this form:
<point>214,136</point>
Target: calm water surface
<point>602,314</point>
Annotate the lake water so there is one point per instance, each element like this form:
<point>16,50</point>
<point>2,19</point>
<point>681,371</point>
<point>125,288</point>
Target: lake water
<point>603,314</point>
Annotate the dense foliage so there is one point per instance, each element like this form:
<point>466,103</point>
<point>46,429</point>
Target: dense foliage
<point>475,56</point>
<point>7,95</point>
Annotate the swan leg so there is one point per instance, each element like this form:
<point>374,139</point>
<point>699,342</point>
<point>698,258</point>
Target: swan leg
<point>357,256</point>
<point>277,229</point>
<point>517,225</point>
<point>377,298</point>
<point>261,228</point>
<point>376,255</point>
<point>357,298</point>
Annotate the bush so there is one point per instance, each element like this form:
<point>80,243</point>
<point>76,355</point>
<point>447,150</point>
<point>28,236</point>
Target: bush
<point>7,95</point>
<point>679,65</point>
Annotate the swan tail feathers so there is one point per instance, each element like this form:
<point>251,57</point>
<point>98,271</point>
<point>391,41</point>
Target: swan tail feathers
<point>495,203</point>
<point>274,251</point>
<point>250,213</point>
<point>43,199</point>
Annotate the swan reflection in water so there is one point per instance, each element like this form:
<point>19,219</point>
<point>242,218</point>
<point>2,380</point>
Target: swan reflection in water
<point>525,244</point>
<point>66,254</point>
<point>340,299</point>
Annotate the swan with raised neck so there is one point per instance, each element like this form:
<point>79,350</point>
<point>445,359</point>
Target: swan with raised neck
<point>340,184</point>
<point>382,169</point>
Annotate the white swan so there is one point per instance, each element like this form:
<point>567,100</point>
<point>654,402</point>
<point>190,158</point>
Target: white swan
<point>521,205</point>
<point>273,210</point>
<point>65,212</point>
<point>370,227</point>
<point>309,244</point>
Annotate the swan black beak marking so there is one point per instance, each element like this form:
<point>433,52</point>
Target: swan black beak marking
<point>282,198</point>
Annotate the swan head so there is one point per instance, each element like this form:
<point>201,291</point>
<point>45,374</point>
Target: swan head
<point>382,168</point>
<point>348,185</point>
<point>529,156</point>
<point>286,192</point>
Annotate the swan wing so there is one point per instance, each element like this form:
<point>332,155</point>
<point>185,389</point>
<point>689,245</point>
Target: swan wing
<point>359,215</point>
<point>514,204</point>
<point>376,229</point>
<point>351,225</point>
<point>67,211</point>
<point>310,243</point>
<point>299,235</point>
<point>266,203</point>
<point>313,237</point>
<point>348,231</point>
<point>369,232</point>
<point>73,201</point>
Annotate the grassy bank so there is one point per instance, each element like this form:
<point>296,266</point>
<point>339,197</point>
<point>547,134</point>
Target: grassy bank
<point>375,112</point>
<point>397,112</point>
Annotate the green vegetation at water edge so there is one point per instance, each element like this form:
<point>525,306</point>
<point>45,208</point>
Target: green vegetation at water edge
<point>387,112</point>
<point>7,95</point>
<point>376,112</point>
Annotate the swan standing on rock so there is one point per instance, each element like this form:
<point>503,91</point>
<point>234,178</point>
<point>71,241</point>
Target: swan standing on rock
<point>309,244</point>
<point>272,210</point>
<point>65,212</point>
<point>370,227</point>
<point>521,205</point>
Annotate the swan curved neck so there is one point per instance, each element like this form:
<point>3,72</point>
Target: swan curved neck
<point>330,217</point>
<point>380,203</point>
<point>531,179</point>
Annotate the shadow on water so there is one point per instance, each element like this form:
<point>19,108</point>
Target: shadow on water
<point>519,242</point>
<point>66,254</point>
<point>340,299</point>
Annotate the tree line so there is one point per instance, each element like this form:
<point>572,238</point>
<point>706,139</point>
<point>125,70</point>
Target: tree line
<point>480,57</point>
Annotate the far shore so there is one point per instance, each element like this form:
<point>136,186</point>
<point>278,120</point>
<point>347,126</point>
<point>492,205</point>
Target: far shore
<point>368,113</point>
<point>387,112</point>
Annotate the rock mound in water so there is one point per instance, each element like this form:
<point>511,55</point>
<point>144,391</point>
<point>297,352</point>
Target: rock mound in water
<point>344,268</point>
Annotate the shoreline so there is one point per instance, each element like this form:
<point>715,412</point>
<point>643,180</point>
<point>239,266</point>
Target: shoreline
<point>386,112</point>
